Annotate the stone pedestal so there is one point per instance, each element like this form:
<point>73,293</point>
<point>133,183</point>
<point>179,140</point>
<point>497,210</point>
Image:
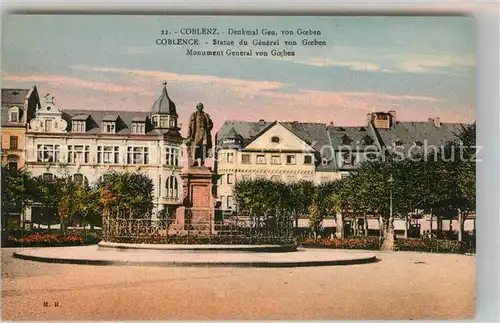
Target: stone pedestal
<point>196,214</point>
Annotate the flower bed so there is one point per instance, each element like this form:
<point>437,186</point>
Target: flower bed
<point>52,240</point>
<point>431,245</point>
<point>365,243</point>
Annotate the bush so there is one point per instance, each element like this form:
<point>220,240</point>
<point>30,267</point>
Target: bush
<point>51,240</point>
<point>365,243</point>
<point>432,245</point>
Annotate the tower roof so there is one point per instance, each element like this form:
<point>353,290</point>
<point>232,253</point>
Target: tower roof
<point>164,105</point>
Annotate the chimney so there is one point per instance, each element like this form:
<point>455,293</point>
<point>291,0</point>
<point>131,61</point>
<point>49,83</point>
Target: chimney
<point>430,120</point>
<point>393,116</point>
<point>368,118</point>
<point>437,122</point>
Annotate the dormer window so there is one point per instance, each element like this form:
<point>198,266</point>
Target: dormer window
<point>346,140</point>
<point>138,128</point>
<point>367,140</point>
<point>108,126</point>
<point>398,143</point>
<point>78,126</point>
<point>14,114</point>
<point>419,143</point>
<point>324,161</point>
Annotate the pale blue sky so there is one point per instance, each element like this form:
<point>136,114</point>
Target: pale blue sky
<point>419,66</point>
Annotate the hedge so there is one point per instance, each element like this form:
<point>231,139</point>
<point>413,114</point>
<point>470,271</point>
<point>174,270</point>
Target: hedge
<point>185,239</point>
<point>365,243</point>
<point>432,245</point>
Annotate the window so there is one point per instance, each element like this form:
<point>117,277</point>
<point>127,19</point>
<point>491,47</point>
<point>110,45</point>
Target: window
<point>324,161</point>
<point>13,142</point>
<point>172,156</point>
<point>155,121</point>
<point>307,159</point>
<point>48,125</point>
<point>78,154</point>
<point>230,178</point>
<point>12,166</point>
<point>172,187</point>
<point>230,157</point>
<point>138,127</point>
<point>164,121</point>
<point>47,153</point>
<point>137,155</point>
<point>275,139</point>
<point>260,176</point>
<point>290,159</point>
<point>172,122</point>
<point>261,159</point>
<point>276,159</point>
<point>290,178</point>
<point>78,126</point>
<point>47,176</point>
<point>108,154</point>
<point>14,114</point>
<point>276,178</point>
<point>222,157</point>
<point>79,179</point>
<point>108,127</point>
<point>245,159</point>
<point>230,202</point>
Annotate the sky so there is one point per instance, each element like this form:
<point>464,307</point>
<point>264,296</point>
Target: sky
<point>421,67</point>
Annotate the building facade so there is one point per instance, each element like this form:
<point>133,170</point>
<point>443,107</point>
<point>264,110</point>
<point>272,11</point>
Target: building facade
<point>87,144</point>
<point>292,151</point>
<point>18,106</point>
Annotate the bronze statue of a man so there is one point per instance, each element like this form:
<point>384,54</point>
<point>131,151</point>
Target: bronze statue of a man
<point>199,140</point>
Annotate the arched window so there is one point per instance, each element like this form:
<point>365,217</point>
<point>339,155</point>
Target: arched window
<point>172,187</point>
<point>80,179</point>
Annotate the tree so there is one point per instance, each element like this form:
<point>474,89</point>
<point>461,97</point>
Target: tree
<point>126,195</point>
<point>302,193</point>
<point>17,192</point>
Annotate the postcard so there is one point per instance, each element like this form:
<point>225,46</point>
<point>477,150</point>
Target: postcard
<point>238,167</point>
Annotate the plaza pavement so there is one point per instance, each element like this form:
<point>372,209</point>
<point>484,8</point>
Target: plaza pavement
<point>403,285</point>
<point>194,256</point>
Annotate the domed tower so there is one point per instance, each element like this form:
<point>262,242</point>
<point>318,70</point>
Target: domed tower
<point>164,115</point>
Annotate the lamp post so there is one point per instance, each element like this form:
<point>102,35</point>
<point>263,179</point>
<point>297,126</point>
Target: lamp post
<point>391,219</point>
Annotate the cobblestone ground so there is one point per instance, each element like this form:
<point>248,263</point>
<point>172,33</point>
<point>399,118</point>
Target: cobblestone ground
<point>403,285</point>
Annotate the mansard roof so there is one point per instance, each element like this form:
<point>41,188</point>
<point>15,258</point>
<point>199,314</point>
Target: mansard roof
<point>14,96</point>
<point>95,118</point>
<point>352,136</point>
<point>10,98</point>
<point>409,133</point>
<point>164,105</point>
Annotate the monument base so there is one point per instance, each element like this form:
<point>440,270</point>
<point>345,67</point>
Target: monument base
<point>197,214</point>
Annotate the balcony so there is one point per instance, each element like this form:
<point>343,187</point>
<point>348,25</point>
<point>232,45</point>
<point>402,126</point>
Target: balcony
<point>169,200</point>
